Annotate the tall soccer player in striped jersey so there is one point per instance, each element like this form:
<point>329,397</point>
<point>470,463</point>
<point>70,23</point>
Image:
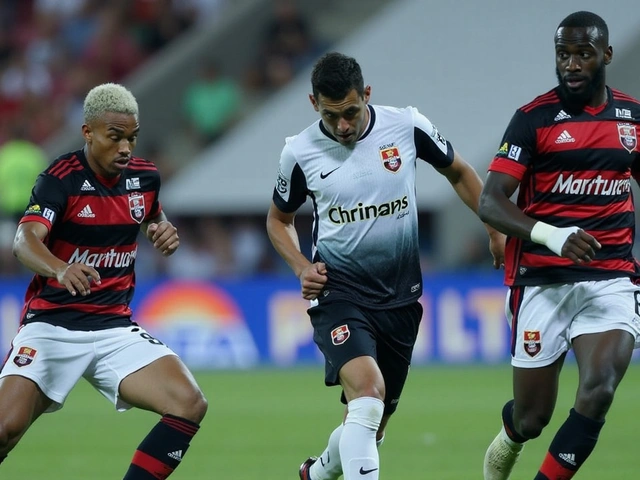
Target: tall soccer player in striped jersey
<point>79,235</point>
<point>569,265</point>
<point>358,165</point>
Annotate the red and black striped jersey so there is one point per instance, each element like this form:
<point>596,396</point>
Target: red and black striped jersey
<point>95,221</point>
<point>574,168</point>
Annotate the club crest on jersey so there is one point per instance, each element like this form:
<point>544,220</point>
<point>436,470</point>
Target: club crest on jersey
<point>340,335</point>
<point>25,356</point>
<point>628,137</point>
<point>532,344</point>
<point>136,206</point>
<point>391,158</point>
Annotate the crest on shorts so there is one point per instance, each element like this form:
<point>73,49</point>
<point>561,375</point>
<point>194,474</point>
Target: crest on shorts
<point>340,334</point>
<point>628,137</point>
<point>532,343</point>
<point>25,356</point>
<point>391,158</point>
<point>136,206</point>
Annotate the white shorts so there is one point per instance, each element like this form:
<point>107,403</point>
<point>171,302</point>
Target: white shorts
<point>547,318</point>
<point>55,358</point>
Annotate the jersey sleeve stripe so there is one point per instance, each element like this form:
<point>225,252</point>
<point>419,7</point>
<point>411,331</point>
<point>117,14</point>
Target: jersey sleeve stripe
<point>510,167</point>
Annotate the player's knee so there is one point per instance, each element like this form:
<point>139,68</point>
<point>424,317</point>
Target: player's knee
<point>199,407</point>
<point>595,402</point>
<point>531,426</point>
<point>192,405</point>
<point>368,389</point>
<point>9,432</point>
<point>365,411</point>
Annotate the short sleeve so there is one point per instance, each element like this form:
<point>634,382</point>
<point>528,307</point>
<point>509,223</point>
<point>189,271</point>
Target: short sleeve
<point>48,201</point>
<point>517,148</point>
<point>290,191</point>
<point>431,145</point>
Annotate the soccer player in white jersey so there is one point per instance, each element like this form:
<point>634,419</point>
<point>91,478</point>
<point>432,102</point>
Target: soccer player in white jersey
<point>358,165</point>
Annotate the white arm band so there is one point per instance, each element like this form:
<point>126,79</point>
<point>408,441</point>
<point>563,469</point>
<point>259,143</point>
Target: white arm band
<point>552,237</point>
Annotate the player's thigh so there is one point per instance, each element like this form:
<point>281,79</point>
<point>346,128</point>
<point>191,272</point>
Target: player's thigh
<point>136,369</point>
<point>397,334</point>
<point>165,386</point>
<point>342,333</point>
<point>53,358</point>
<point>361,377</point>
<point>21,403</point>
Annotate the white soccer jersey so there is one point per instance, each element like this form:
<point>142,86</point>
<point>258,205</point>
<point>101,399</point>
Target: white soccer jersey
<point>365,215</point>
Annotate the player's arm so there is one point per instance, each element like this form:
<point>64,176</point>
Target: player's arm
<point>465,181</point>
<point>161,232</point>
<point>468,186</point>
<point>284,237</point>
<point>30,250</point>
<point>497,209</point>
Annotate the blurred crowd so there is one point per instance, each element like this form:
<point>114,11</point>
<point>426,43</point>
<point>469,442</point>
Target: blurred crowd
<point>52,52</point>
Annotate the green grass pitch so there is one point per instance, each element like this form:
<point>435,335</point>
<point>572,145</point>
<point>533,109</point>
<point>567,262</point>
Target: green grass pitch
<point>262,424</point>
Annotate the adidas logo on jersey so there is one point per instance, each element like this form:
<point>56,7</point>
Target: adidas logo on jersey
<point>87,187</point>
<point>86,212</point>
<point>565,137</point>
<point>562,115</point>
<point>570,458</point>
<point>177,455</point>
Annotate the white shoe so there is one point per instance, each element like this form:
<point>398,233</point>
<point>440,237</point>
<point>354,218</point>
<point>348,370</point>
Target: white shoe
<point>501,456</point>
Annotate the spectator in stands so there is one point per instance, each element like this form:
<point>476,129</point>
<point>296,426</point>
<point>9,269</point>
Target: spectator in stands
<point>20,163</point>
<point>211,103</point>
<point>289,46</point>
<point>113,51</point>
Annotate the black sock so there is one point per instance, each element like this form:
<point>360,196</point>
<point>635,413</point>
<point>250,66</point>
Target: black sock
<point>570,448</point>
<point>161,451</point>
<point>509,427</point>
<point>2,458</point>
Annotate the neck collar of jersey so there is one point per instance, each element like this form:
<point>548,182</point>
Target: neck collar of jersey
<point>107,182</point>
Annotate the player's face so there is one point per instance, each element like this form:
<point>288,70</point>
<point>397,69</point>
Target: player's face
<point>110,142</point>
<point>580,64</point>
<point>345,119</point>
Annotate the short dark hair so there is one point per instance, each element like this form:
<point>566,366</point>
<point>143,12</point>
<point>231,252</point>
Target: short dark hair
<point>335,75</point>
<point>585,19</point>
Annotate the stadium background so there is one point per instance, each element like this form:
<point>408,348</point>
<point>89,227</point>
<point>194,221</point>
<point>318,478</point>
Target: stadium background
<point>225,302</point>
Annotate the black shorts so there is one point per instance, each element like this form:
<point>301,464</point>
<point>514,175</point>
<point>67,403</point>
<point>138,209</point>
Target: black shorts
<point>344,331</point>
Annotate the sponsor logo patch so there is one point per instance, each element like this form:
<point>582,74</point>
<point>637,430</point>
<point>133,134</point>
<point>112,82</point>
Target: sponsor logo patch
<point>133,183</point>
<point>340,335</point>
<point>33,210</point>
<point>25,356</point>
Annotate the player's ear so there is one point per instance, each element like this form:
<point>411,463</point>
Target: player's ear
<point>367,93</point>
<point>608,55</point>
<point>313,101</point>
<point>87,133</point>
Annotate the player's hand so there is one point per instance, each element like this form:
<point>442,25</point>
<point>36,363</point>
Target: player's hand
<point>312,280</point>
<point>164,237</point>
<point>497,242</point>
<point>580,247</point>
<point>77,278</point>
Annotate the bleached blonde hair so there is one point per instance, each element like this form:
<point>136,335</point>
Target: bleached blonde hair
<point>108,97</point>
